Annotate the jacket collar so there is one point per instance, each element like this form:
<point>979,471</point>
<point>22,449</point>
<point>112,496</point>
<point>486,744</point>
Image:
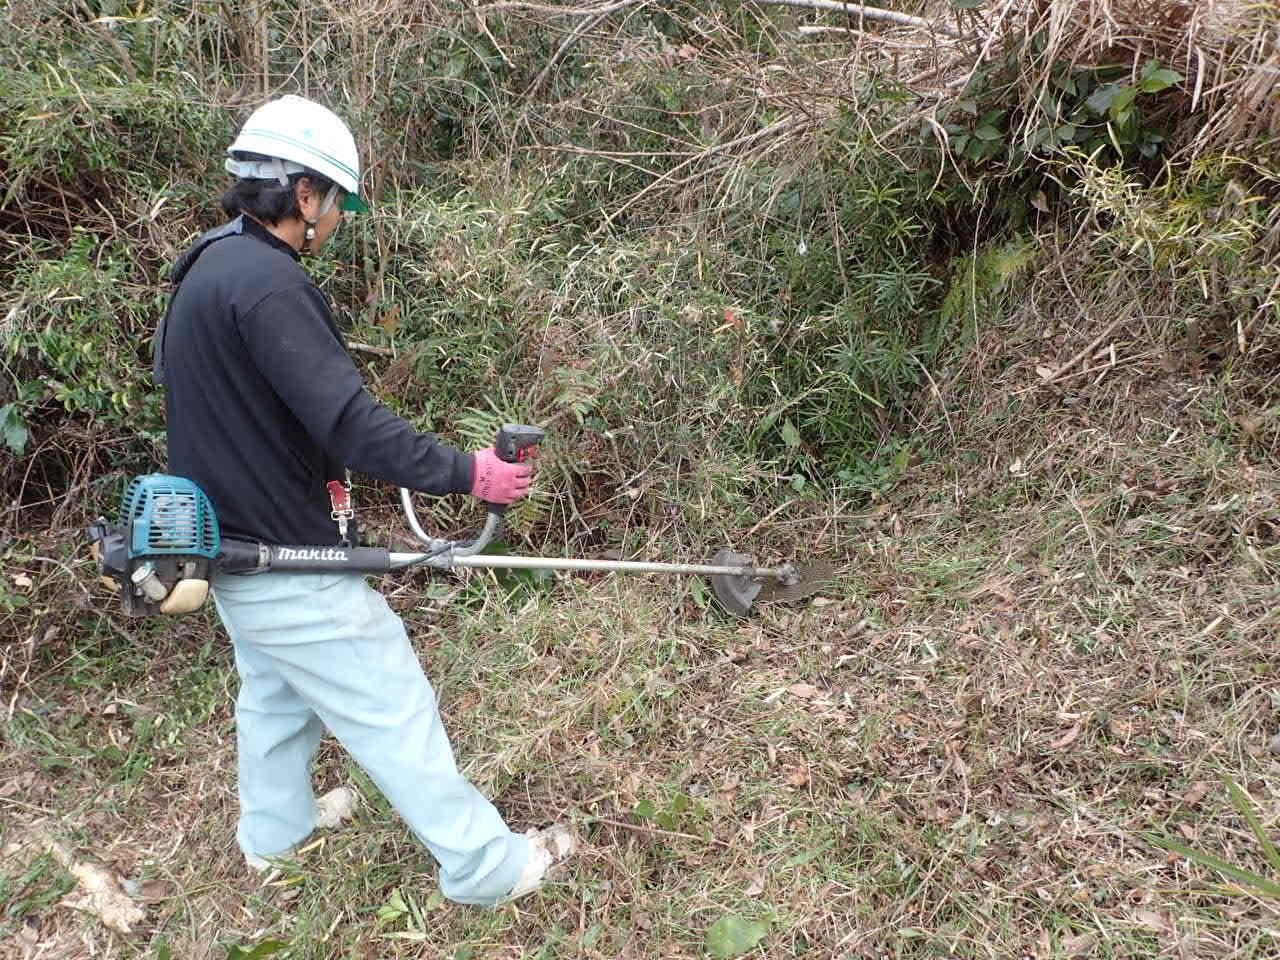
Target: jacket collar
<point>256,230</point>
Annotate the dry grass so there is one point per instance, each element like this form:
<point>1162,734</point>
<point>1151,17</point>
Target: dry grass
<point>1054,639</point>
<point>1052,642</point>
<point>1226,49</point>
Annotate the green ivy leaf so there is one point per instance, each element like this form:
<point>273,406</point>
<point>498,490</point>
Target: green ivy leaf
<point>732,936</point>
<point>1066,83</point>
<point>13,430</point>
<point>790,435</point>
<point>457,64</point>
<point>1159,80</point>
<point>393,909</point>
<point>987,133</point>
<point>645,809</point>
<point>1100,100</point>
<point>1121,102</point>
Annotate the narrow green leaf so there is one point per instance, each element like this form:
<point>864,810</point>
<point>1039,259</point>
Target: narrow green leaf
<point>807,855</point>
<point>1242,803</point>
<point>968,4</point>
<point>1259,883</point>
<point>732,936</point>
<point>264,949</point>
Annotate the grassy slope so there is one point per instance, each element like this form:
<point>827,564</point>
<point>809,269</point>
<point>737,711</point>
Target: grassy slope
<point>1052,640</point>
<point>1054,636</point>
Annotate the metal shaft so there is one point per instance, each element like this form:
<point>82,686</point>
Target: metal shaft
<point>616,566</point>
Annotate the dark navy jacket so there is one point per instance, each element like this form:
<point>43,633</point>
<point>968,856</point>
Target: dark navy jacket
<point>263,403</point>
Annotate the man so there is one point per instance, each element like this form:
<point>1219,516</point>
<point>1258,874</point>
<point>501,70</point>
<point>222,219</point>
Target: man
<point>265,410</point>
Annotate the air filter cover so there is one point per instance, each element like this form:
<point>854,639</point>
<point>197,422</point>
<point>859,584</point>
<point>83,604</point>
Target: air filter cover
<point>168,516</point>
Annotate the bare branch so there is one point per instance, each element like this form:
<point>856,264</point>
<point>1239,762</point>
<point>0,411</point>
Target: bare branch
<point>862,12</point>
<point>513,5</point>
<point>857,10</point>
<point>370,348</point>
<point>569,41</point>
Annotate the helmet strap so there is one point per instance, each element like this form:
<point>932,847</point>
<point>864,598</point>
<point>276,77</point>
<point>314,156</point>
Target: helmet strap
<point>282,175</point>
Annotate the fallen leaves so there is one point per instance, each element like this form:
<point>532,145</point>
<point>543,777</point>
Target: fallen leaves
<point>805,691</point>
<point>797,776</point>
<point>1196,793</point>
<point>1153,921</point>
<point>996,587</point>
<point>1079,945</point>
<point>1068,738</point>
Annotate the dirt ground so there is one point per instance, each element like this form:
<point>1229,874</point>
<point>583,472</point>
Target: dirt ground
<point>1030,719</point>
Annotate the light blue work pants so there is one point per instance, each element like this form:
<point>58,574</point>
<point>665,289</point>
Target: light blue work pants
<point>325,650</point>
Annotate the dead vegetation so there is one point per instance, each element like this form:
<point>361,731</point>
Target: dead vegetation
<point>1052,650</point>
<point>1053,646</point>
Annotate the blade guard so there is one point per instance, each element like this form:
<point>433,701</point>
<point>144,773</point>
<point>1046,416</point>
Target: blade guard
<point>736,593</point>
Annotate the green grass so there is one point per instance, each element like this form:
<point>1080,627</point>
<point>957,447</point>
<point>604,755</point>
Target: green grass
<point>959,757</point>
<point>1055,620</point>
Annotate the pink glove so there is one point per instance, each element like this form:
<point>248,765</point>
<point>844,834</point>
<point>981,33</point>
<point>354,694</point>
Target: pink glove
<point>497,481</point>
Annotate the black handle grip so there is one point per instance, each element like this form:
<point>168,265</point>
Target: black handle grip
<point>514,444</point>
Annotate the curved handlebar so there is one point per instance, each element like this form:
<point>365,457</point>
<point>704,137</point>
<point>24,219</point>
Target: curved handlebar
<point>458,548</point>
<point>512,444</point>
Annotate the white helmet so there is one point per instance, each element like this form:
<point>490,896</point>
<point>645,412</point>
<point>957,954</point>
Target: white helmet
<point>300,136</point>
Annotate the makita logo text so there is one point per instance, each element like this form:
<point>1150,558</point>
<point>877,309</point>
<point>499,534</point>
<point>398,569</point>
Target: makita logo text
<point>313,553</point>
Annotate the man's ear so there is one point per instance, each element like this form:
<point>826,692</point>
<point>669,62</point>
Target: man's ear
<point>308,199</point>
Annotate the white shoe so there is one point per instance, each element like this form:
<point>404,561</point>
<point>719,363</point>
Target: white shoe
<point>548,849</point>
<point>331,809</point>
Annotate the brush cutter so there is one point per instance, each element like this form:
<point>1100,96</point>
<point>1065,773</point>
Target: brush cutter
<point>167,546</point>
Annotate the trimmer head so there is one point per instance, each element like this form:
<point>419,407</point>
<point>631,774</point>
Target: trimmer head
<point>738,593</point>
